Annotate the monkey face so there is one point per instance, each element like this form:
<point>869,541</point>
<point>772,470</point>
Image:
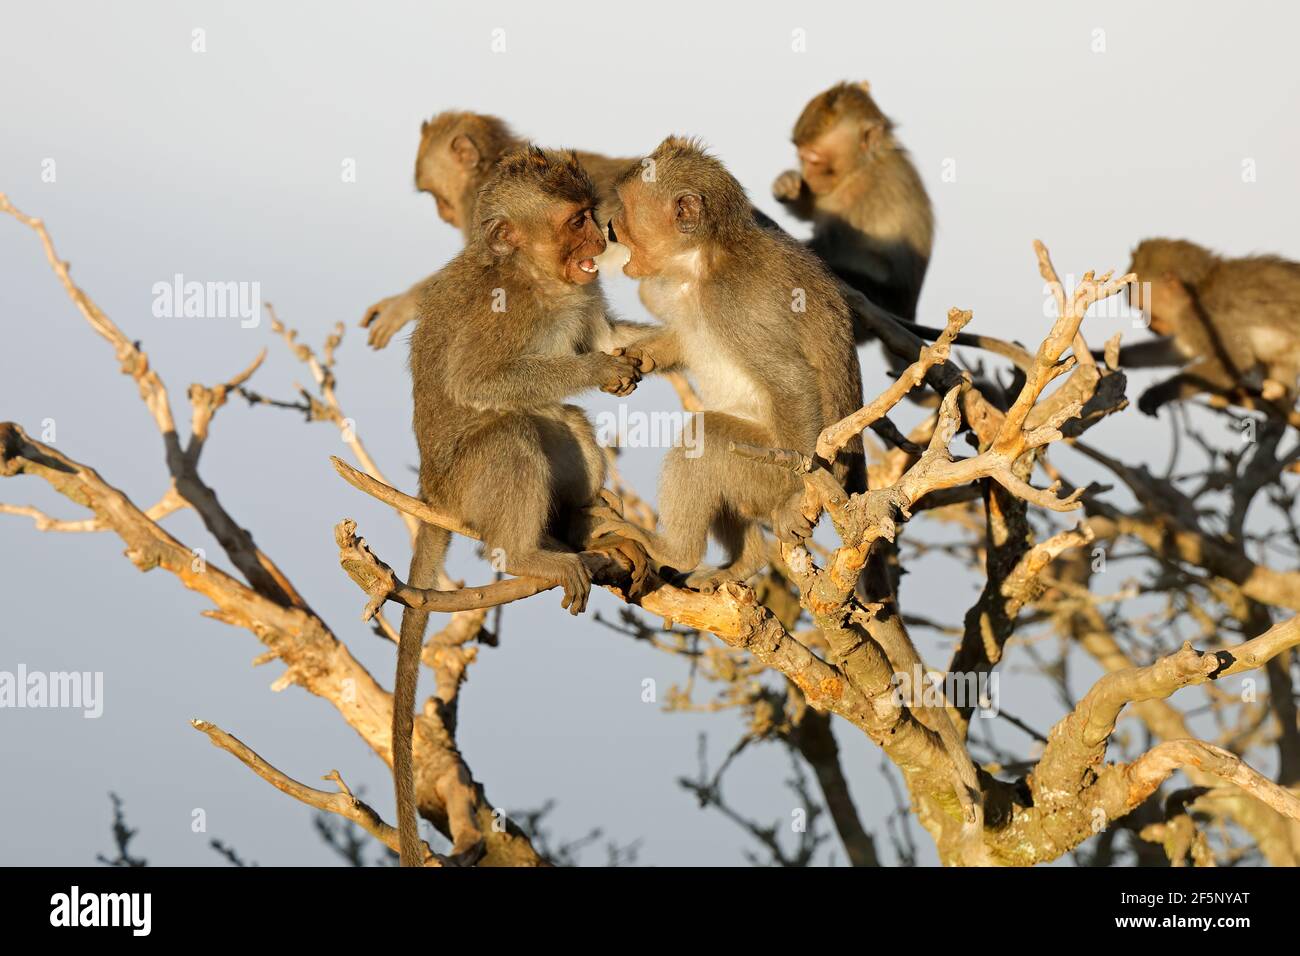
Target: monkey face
<point>1170,305</point>
<point>575,240</point>
<point>449,180</point>
<point>824,160</point>
<point>645,227</point>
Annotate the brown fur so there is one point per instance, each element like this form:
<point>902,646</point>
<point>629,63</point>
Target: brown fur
<point>767,375</point>
<point>1236,321</point>
<point>457,153</point>
<point>872,220</point>
<point>499,448</point>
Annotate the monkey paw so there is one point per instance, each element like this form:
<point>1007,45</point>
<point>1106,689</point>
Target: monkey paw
<point>787,186</point>
<point>789,523</point>
<point>636,556</point>
<point>644,361</point>
<point>619,374</point>
<point>384,319</point>
<point>707,580</point>
<point>575,579</point>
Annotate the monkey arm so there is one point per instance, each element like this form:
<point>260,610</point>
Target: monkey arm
<point>386,317</point>
<point>661,351</point>
<point>793,193</point>
<point>524,382</point>
<point>619,333</point>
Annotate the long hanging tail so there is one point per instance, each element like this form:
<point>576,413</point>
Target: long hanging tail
<point>426,563</point>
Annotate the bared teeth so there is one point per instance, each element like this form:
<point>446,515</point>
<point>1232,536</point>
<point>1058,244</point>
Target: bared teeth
<point>588,265</point>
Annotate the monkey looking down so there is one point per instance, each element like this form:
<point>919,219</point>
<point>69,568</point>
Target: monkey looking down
<point>762,330</point>
<point>1235,322</point>
<point>458,151</point>
<point>509,329</point>
<point>872,221</point>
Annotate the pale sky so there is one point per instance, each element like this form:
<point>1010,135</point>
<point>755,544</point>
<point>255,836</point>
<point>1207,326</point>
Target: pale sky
<point>1089,128</point>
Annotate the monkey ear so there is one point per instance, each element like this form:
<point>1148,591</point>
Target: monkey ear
<point>466,153</point>
<point>871,133</point>
<point>864,86</point>
<point>501,236</point>
<point>690,210</point>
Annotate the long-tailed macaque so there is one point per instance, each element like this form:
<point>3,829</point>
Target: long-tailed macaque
<point>872,221</point>
<point>457,153</point>
<point>1235,322</point>
<point>760,326</point>
<point>509,329</point>
<point>765,333</point>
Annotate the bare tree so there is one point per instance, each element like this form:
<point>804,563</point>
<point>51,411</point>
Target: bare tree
<point>806,649</point>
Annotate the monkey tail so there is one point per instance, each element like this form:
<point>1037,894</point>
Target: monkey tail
<point>426,565</point>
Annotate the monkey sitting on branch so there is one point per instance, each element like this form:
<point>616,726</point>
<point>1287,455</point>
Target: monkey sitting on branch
<point>872,221</point>
<point>1233,323</point>
<point>759,325</point>
<point>509,329</point>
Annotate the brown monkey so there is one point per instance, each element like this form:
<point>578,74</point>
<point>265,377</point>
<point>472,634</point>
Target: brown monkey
<point>760,326</point>
<point>1235,321</point>
<point>872,221</point>
<point>765,332</point>
<point>509,329</point>
<point>457,152</point>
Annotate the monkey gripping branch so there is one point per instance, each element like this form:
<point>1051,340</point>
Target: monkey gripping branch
<point>1067,795</point>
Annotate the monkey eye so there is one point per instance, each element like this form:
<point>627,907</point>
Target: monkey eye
<point>580,220</point>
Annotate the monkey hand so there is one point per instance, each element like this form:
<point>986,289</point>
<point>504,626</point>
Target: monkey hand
<point>575,578</point>
<point>386,317</point>
<point>645,362</point>
<point>616,374</point>
<point>635,554</point>
<point>789,523</point>
<point>788,186</point>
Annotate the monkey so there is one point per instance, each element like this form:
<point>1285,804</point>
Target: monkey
<point>725,286</point>
<point>458,151</point>
<point>509,329</point>
<point>1233,323</point>
<point>872,220</point>
<point>759,325</point>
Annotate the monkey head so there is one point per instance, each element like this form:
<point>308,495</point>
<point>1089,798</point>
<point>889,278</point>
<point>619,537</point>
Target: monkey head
<point>457,151</point>
<point>1168,272</point>
<point>679,206</point>
<point>836,132</point>
<point>537,209</point>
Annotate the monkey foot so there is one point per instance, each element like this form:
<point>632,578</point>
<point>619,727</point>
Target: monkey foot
<point>635,554</point>
<point>707,580</point>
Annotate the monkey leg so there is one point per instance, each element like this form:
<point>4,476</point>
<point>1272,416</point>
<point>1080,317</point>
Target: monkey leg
<point>510,489</point>
<point>744,541</point>
<point>721,493</point>
<point>577,462</point>
<point>514,537</point>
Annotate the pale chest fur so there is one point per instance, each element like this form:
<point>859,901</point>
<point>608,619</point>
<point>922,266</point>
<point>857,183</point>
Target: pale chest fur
<point>720,380</point>
<point>571,329</point>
